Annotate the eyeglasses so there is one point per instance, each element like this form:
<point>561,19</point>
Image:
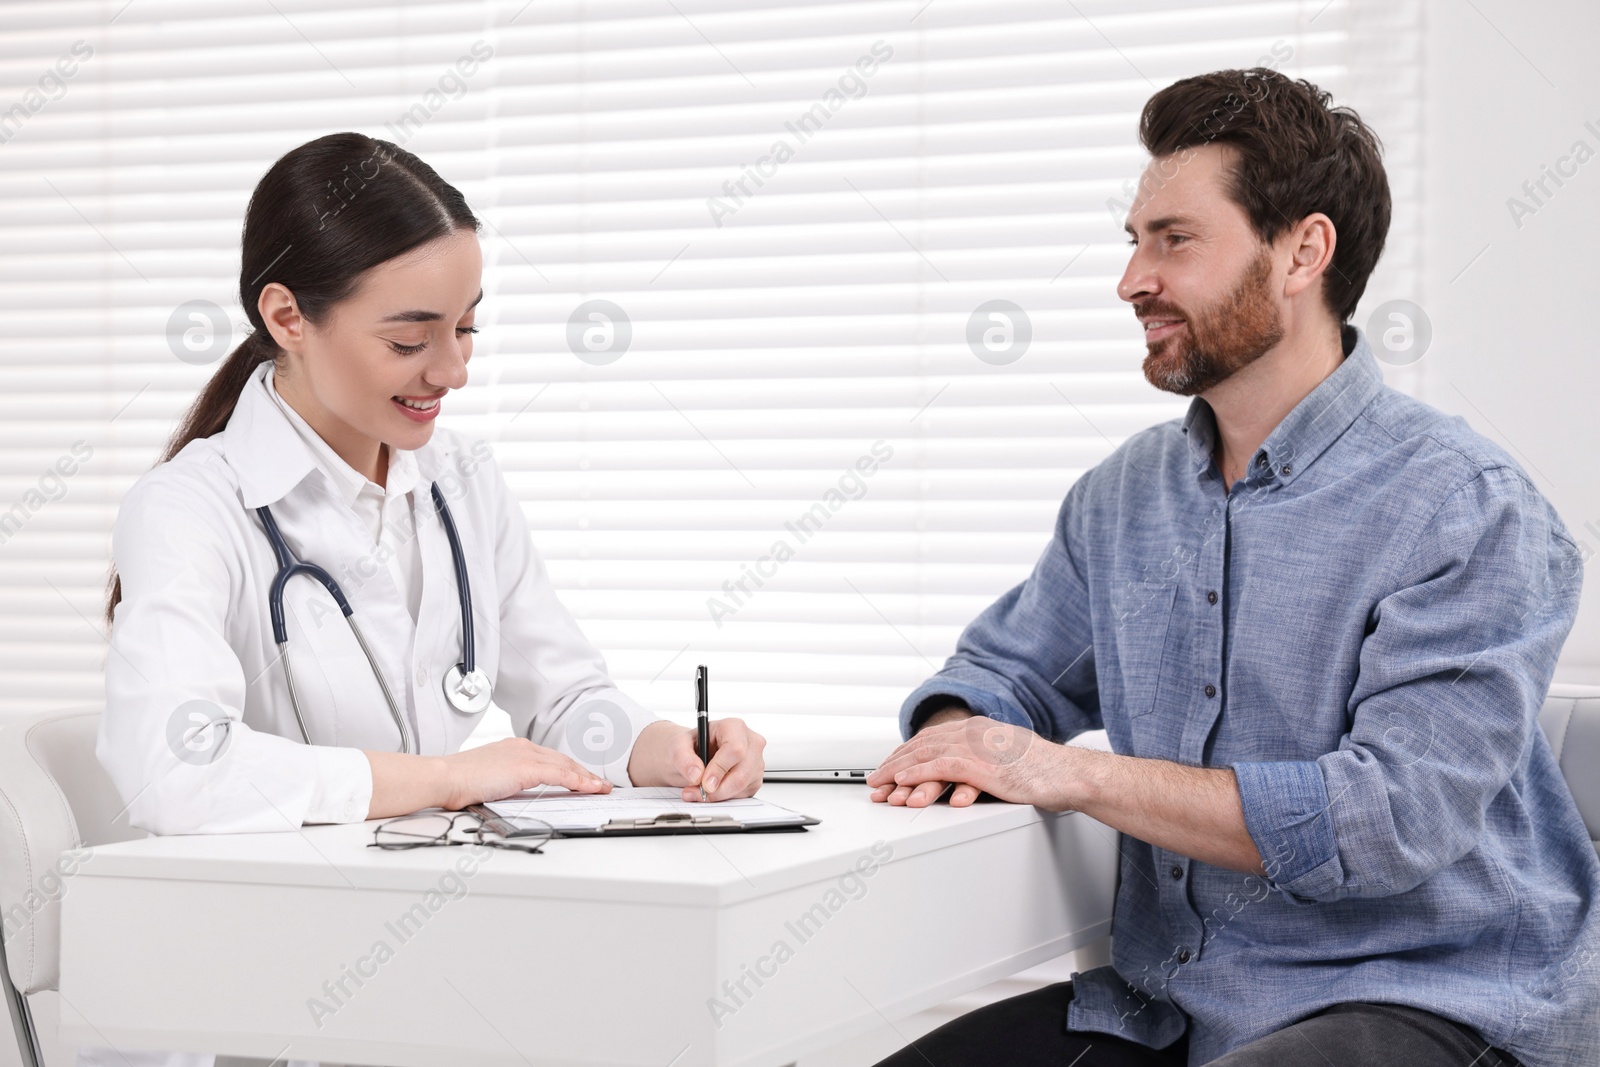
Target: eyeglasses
<point>434,829</point>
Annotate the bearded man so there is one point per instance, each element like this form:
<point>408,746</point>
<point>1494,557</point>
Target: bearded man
<point>1317,619</point>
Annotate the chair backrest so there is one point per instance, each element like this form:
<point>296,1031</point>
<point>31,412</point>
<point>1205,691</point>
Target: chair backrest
<point>1571,720</point>
<point>54,798</point>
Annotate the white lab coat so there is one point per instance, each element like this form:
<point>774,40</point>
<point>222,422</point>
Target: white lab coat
<point>194,626</point>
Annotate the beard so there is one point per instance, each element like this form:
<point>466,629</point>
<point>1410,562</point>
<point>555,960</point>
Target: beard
<point>1219,341</point>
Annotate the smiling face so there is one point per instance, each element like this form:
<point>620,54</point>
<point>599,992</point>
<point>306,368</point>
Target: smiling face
<point>375,370</point>
<point>1207,290</point>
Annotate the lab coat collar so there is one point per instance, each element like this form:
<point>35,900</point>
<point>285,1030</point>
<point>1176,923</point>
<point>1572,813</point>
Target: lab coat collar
<point>270,457</point>
<point>346,482</point>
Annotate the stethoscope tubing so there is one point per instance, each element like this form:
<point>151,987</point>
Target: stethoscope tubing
<point>289,567</point>
<point>469,647</point>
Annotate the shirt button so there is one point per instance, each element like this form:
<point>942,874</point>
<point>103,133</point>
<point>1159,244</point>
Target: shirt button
<point>1287,470</point>
<point>1261,459</point>
<point>1211,690</point>
<point>422,675</point>
<point>1183,957</point>
<point>1211,596</point>
<point>1177,873</point>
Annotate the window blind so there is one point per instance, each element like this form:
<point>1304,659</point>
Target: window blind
<point>799,319</point>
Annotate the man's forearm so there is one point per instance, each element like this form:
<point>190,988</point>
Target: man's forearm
<point>1193,811</point>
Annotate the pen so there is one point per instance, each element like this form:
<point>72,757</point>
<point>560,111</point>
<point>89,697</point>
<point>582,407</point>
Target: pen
<point>702,711</point>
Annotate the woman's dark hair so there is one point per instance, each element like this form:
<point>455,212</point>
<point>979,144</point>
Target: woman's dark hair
<point>319,218</point>
<point>1296,156</point>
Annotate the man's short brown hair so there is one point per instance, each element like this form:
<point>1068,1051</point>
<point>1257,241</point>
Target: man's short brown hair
<point>1295,156</point>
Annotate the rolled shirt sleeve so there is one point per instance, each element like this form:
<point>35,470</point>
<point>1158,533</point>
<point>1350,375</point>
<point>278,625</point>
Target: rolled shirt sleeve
<point>552,681</point>
<point>1028,659</point>
<point>343,790</point>
<point>1451,680</point>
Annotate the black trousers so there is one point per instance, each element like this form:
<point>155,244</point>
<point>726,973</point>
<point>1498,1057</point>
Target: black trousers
<point>1030,1030</point>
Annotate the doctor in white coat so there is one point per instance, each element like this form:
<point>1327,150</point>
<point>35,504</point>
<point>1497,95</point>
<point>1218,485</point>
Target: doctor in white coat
<point>361,273</point>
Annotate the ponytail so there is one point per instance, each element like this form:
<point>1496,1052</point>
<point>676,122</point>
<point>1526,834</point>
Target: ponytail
<point>207,415</point>
<point>214,406</point>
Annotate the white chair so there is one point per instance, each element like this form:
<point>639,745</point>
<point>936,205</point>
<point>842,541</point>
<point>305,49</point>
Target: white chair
<point>54,797</point>
<point>1571,720</point>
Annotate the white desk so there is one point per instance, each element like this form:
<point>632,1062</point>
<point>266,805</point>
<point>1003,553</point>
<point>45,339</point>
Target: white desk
<point>599,952</point>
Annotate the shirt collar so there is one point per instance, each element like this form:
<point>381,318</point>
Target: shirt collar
<point>272,450</point>
<point>1310,427</point>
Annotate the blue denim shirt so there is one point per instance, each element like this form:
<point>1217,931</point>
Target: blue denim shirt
<point>1364,630</point>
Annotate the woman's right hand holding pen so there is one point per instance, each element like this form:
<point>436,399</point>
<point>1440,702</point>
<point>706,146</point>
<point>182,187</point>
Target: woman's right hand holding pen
<point>665,755</point>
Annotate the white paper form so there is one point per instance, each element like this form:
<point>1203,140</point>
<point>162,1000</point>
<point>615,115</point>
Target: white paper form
<point>566,810</point>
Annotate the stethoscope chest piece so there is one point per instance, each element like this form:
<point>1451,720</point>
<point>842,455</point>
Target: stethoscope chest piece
<point>468,692</point>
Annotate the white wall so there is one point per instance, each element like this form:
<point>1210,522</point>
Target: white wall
<point>1509,85</point>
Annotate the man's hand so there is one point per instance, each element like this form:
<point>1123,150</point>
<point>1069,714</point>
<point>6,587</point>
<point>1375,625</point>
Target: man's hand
<point>1193,811</point>
<point>919,796</point>
<point>977,754</point>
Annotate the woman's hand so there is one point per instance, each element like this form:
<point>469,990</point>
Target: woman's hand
<point>664,755</point>
<point>501,768</point>
<point>402,784</point>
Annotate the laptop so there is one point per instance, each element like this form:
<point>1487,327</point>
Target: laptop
<point>825,748</point>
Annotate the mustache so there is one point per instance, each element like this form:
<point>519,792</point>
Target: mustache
<point>1158,309</point>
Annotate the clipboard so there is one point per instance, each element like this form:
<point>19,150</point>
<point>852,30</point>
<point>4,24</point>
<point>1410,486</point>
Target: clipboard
<point>580,823</point>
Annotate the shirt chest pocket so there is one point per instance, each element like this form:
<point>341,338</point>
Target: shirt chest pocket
<point>1141,619</point>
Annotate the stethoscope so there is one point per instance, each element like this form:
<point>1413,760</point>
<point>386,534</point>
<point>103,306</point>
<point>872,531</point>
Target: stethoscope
<point>465,687</point>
